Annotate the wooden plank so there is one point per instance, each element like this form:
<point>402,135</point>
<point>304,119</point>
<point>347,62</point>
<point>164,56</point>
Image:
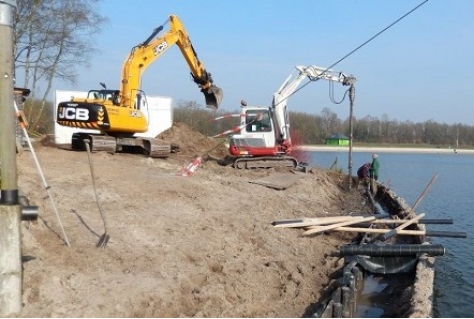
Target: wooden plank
<point>319,221</point>
<point>315,221</point>
<point>305,222</point>
<point>395,231</point>
<point>320,229</point>
<point>401,232</point>
<point>433,179</point>
<point>279,181</point>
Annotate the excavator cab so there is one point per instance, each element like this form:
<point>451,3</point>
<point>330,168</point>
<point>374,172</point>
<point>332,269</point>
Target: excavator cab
<point>109,95</point>
<point>213,96</point>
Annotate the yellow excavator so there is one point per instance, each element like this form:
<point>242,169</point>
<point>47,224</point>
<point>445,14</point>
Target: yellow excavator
<point>117,114</point>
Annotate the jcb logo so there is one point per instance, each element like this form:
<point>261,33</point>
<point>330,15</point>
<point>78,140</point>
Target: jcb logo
<point>160,47</point>
<point>72,113</point>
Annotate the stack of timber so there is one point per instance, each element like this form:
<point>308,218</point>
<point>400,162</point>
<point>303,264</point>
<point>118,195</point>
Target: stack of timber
<point>392,245</point>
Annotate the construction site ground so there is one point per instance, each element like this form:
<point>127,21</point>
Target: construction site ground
<point>180,246</point>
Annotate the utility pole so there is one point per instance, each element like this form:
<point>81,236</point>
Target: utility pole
<point>10,210</point>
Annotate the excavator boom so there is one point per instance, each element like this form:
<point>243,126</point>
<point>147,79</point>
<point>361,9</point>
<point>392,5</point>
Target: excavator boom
<point>147,52</point>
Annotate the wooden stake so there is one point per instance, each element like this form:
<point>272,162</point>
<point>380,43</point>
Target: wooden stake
<point>424,192</point>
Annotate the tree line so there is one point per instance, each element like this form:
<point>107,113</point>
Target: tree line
<point>53,39</point>
<point>308,129</point>
<point>313,129</point>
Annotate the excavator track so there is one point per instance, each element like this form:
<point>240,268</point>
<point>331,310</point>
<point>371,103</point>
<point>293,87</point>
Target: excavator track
<point>152,147</point>
<point>97,142</point>
<point>265,162</point>
<point>158,148</point>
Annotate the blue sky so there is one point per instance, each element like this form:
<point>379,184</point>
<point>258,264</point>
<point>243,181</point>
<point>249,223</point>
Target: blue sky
<point>418,70</point>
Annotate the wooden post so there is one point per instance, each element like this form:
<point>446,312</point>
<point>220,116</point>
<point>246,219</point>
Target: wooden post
<point>10,260</point>
<point>337,310</point>
<point>10,211</point>
<point>346,302</point>
<point>9,189</point>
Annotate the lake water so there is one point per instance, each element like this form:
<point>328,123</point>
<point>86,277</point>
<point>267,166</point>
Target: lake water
<point>451,195</point>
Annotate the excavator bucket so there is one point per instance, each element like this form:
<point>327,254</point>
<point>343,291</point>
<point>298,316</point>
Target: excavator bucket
<point>213,96</point>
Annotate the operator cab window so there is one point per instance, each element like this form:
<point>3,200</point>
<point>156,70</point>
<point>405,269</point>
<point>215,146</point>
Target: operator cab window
<point>110,95</point>
<point>258,121</point>
<point>93,94</point>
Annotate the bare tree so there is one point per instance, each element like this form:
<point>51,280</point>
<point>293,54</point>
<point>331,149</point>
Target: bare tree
<point>53,38</point>
<point>331,123</point>
<point>307,127</point>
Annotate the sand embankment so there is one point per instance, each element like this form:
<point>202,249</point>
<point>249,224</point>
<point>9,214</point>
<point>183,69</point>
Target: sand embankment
<point>324,148</point>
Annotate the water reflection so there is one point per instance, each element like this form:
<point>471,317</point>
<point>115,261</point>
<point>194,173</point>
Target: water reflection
<point>367,306</point>
<point>408,174</point>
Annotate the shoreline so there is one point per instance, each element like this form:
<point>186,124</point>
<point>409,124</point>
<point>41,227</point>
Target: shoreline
<point>324,148</point>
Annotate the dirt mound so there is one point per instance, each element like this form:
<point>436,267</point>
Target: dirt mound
<point>192,143</point>
<point>200,246</point>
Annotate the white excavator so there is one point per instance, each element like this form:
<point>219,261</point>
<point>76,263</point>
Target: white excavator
<point>264,140</point>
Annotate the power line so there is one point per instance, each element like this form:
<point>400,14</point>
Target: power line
<point>379,33</point>
<point>366,42</point>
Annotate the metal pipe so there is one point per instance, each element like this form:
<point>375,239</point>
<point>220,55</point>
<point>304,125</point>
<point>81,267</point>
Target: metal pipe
<point>29,212</point>
<point>351,108</point>
<point>391,250</point>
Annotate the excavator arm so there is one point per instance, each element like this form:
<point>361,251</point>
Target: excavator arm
<point>146,53</point>
<point>289,86</point>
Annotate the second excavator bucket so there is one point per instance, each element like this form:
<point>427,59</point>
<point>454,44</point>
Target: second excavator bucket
<point>213,96</point>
